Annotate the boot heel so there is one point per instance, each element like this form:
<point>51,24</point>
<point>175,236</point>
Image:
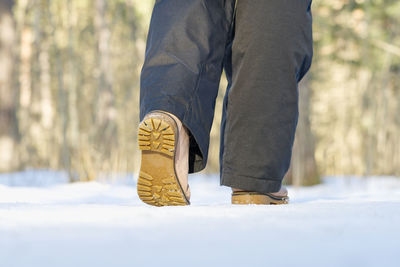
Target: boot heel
<point>155,134</point>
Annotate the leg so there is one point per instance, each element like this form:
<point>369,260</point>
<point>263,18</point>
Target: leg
<point>183,65</point>
<point>271,52</point>
<point>179,84</point>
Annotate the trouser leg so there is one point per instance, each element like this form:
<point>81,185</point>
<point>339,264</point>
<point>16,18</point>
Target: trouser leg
<point>271,52</point>
<point>183,64</point>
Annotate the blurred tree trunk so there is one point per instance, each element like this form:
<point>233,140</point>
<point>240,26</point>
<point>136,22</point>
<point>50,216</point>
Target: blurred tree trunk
<point>303,169</point>
<point>72,85</point>
<point>46,104</point>
<point>25,82</point>
<point>104,111</point>
<point>63,146</point>
<point>8,125</point>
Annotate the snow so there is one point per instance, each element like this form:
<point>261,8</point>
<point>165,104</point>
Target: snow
<point>346,221</point>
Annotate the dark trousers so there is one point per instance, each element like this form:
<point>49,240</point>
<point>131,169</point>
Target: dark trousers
<point>265,48</point>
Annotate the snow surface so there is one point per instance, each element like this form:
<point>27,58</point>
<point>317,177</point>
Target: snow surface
<point>346,221</point>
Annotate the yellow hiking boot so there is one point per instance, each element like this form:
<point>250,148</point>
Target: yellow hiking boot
<point>163,176</point>
<point>242,197</point>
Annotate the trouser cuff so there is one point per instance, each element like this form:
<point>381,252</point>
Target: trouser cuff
<point>250,183</point>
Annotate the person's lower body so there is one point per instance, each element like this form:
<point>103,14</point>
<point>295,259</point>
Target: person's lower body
<point>265,48</point>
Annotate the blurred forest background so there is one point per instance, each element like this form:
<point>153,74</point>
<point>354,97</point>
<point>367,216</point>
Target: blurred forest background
<point>69,89</point>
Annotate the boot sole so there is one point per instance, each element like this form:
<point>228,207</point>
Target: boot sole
<point>158,184</point>
<point>248,198</point>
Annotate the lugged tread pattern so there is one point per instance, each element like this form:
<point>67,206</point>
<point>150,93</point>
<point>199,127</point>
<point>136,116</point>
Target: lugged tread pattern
<point>157,135</point>
<point>166,194</point>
